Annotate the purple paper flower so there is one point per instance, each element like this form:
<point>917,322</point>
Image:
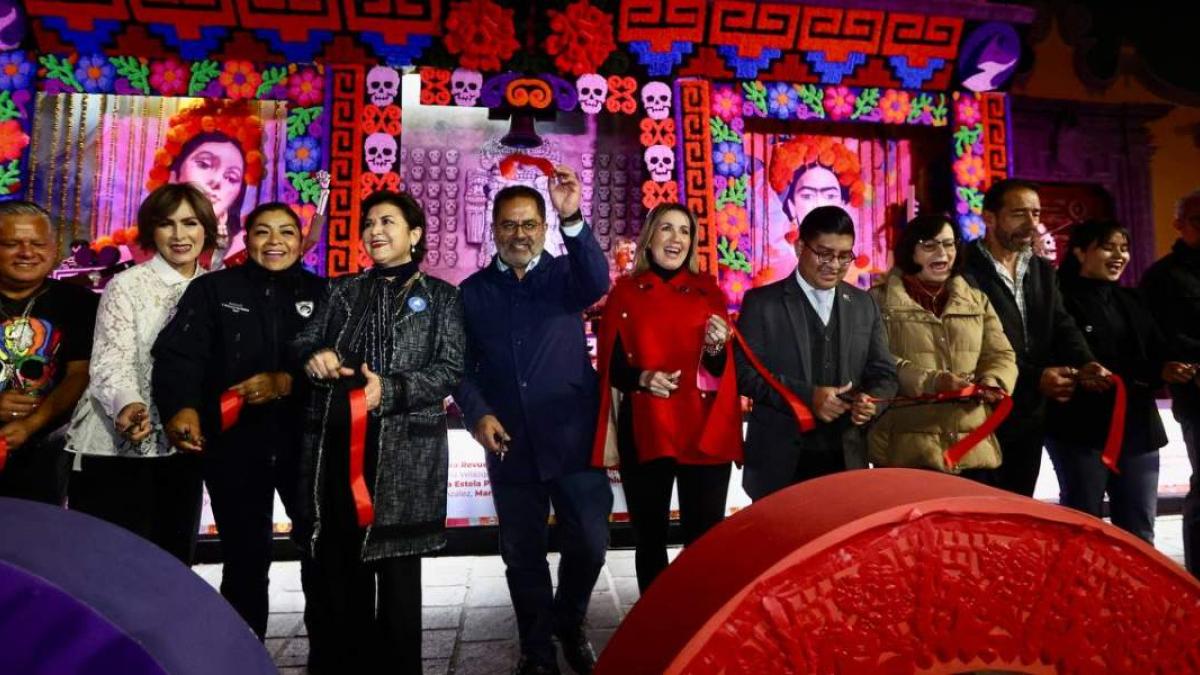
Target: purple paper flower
<point>303,154</point>
<point>730,158</point>
<point>781,100</point>
<point>95,73</point>
<point>15,70</point>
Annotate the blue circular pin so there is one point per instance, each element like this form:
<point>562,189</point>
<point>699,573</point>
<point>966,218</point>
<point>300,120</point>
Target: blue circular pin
<point>417,304</point>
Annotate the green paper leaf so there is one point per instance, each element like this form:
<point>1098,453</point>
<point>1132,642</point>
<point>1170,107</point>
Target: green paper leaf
<point>940,112</point>
<point>722,132</point>
<point>203,72</point>
<point>813,97</point>
<point>756,93</point>
<point>731,257</point>
<point>8,109</point>
<point>965,138</point>
<point>131,68</point>
<point>920,103</point>
<point>299,119</point>
<point>735,192</point>
<point>60,69</point>
<point>306,185</point>
<point>867,101</point>
<point>270,78</point>
<point>10,175</point>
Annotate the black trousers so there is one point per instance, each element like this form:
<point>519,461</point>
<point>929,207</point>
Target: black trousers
<point>1021,439</point>
<point>1189,422</point>
<point>702,492</point>
<point>242,474</point>
<point>361,617</point>
<point>37,471</point>
<point>156,498</point>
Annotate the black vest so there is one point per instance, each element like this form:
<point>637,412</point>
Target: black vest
<point>824,351</point>
<point>823,342</point>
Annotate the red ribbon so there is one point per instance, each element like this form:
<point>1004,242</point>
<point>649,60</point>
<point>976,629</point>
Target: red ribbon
<point>231,407</point>
<point>358,445</point>
<point>508,165</point>
<point>804,417</point>
<point>954,454</point>
<point>1116,426</point>
<point>3,452</point>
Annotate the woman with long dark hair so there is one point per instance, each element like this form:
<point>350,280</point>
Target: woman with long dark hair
<point>1124,337</point>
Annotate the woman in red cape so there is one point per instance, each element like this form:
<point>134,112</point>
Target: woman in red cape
<point>669,378</point>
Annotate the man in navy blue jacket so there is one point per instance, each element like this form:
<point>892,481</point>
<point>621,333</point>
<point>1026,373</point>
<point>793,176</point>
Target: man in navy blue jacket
<point>530,395</point>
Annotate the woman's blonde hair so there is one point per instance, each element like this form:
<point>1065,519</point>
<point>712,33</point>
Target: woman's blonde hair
<point>641,261</point>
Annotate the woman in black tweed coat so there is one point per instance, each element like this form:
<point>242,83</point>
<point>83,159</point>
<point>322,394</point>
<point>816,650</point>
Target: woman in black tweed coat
<point>398,334</point>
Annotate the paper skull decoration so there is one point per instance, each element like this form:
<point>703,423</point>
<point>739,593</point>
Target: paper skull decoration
<point>593,90</point>
<point>660,162</point>
<point>383,83</point>
<point>380,152</point>
<point>656,98</point>
<point>466,86</point>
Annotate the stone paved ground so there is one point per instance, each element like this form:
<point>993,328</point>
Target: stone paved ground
<point>469,624</point>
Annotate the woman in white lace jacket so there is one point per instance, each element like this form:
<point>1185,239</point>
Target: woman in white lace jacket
<point>125,469</point>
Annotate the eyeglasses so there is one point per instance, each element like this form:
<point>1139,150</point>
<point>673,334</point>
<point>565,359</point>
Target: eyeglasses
<point>830,258</point>
<point>527,226</point>
<point>932,245</point>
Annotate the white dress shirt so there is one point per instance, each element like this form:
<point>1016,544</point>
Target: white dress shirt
<point>821,299</point>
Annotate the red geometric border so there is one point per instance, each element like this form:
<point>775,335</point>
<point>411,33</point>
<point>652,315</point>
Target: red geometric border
<point>345,149</point>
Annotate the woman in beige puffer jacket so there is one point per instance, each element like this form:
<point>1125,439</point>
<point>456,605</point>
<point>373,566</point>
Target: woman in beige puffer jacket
<point>945,335</point>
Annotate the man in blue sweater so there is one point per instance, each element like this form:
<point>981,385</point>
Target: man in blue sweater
<point>529,394</point>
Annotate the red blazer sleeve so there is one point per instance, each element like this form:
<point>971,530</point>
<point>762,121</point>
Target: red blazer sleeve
<point>605,341</point>
<point>723,428</point>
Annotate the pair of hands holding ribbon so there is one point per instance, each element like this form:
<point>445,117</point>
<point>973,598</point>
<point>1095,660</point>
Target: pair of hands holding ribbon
<point>1059,382</point>
<point>183,430</point>
<point>830,403</point>
<point>327,365</point>
<point>662,384</point>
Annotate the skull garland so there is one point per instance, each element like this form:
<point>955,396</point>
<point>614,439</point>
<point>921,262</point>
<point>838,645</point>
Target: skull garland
<point>656,98</point>
<point>660,162</point>
<point>593,90</point>
<point>466,86</point>
<point>383,84</point>
<point>380,152</point>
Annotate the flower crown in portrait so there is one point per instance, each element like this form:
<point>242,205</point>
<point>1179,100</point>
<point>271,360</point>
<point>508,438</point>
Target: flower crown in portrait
<point>802,152</point>
<point>233,119</point>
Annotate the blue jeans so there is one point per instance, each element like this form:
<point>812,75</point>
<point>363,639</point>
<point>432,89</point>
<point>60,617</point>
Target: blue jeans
<point>582,502</point>
<point>1133,493</point>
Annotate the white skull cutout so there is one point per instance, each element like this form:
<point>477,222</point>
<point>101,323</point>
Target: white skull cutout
<point>466,86</point>
<point>383,83</point>
<point>593,89</point>
<point>380,152</point>
<point>656,98</point>
<point>660,162</point>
